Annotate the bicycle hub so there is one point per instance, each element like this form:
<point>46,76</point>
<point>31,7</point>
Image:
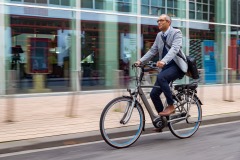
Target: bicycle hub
<point>160,122</point>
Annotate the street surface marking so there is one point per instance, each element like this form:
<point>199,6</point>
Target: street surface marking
<point>96,142</point>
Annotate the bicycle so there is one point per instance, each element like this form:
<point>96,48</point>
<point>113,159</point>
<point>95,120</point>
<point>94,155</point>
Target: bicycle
<point>125,116</point>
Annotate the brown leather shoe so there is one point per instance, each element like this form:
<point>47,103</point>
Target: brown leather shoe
<point>169,110</point>
<point>157,130</point>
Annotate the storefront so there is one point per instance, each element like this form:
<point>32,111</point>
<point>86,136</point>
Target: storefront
<point>62,45</point>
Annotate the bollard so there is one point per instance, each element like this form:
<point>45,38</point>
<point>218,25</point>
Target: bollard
<point>118,81</point>
<point>11,90</point>
<point>70,111</point>
<point>231,86</point>
<point>228,83</point>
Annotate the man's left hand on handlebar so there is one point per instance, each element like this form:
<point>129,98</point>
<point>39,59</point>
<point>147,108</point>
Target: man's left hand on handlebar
<point>160,64</point>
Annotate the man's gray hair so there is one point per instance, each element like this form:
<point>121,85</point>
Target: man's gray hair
<point>168,18</point>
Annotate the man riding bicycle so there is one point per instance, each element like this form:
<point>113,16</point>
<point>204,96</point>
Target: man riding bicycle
<point>172,66</point>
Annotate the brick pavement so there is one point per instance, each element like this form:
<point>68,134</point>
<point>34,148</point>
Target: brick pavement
<point>43,116</point>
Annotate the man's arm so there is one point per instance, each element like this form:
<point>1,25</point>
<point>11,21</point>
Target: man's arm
<point>152,51</point>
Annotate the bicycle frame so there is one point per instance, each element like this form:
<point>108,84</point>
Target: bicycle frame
<point>139,91</point>
<point>146,103</point>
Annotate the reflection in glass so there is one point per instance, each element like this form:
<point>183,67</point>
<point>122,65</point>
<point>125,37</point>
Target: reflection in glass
<point>48,2</point>
<point>207,46</point>
<point>234,53</point>
<point>40,50</point>
<point>86,4</point>
<point>109,47</point>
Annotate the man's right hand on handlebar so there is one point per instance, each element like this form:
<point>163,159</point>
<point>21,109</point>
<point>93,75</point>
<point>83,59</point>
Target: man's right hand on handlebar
<point>138,63</point>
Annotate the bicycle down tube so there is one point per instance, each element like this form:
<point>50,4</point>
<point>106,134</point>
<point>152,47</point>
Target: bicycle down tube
<point>145,101</point>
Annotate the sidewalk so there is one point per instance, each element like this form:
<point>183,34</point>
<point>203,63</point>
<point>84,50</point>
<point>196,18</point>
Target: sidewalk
<point>45,116</point>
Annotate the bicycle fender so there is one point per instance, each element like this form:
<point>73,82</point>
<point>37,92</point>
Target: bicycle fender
<point>195,96</point>
<point>141,108</point>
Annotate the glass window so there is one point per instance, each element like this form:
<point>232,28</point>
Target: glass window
<point>123,7</point>
<point>56,2</point>
<point>42,49</point>
<point>154,3</point>
<point>170,3</point>
<point>104,4</point>
<point>192,6</point>
<point>205,8</point>
<point>108,48</point>
<point>205,1</point>
<point>157,11</point>
<point>235,11</point>
<point>176,12</point>
<point>17,0</point>
<point>212,2</point>
<point>205,16</point>
<point>145,10</point>
<point>170,12</point>
<point>176,3</point>
<point>65,2</point>
<point>87,4</point>
<point>233,50</point>
<point>212,9</point>
<point>207,44</point>
<point>146,2</point>
<point>199,16</point>
<point>192,15</point>
<point>41,1</point>
<point>29,1</point>
<point>36,1</point>
<point>199,7</point>
<point>161,3</point>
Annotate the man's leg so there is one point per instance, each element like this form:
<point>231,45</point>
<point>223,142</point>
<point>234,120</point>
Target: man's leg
<point>155,96</point>
<point>168,75</point>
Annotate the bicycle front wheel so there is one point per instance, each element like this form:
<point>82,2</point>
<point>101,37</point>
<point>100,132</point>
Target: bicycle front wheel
<point>187,119</point>
<point>118,128</point>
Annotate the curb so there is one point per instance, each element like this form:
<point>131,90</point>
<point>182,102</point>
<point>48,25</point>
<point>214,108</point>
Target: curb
<point>79,138</point>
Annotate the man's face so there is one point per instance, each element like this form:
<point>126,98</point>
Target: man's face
<point>163,24</point>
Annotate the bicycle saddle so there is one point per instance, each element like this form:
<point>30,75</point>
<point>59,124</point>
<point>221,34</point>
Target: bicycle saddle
<point>191,86</point>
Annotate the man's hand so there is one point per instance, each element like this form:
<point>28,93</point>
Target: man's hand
<point>137,63</point>
<point>160,64</point>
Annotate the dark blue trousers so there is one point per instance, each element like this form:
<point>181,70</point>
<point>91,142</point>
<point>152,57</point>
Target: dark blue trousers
<point>163,79</point>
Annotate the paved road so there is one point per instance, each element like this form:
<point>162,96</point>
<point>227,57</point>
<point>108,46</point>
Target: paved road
<point>214,142</point>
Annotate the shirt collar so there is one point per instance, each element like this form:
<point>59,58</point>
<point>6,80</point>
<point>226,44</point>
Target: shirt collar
<point>166,33</point>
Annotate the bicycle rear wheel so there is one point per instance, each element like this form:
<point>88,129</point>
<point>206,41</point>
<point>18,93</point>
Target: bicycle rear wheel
<point>113,130</point>
<point>183,125</point>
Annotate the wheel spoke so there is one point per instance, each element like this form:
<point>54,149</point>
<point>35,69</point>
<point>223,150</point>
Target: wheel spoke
<point>188,120</point>
<point>116,123</point>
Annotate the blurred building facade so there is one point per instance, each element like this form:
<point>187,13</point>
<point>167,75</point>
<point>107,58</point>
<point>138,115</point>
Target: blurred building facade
<point>72,45</point>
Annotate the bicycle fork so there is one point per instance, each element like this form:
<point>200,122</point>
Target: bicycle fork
<point>128,111</point>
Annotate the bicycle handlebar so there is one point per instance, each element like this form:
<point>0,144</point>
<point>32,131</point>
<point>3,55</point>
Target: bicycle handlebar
<point>151,66</point>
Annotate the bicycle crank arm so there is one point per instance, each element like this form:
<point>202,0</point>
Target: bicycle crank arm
<point>193,122</point>
<point>176,120</point>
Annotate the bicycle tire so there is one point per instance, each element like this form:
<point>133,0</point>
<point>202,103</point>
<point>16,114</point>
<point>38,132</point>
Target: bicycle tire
<point>117,136</point>
<point>183,130</point>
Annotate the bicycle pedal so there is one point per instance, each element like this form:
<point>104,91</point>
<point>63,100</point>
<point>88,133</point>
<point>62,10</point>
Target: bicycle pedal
<point>183,114</point>
<point>176,115</point>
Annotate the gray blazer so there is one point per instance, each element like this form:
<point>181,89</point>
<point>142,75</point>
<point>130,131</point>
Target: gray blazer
<point>174,39</point>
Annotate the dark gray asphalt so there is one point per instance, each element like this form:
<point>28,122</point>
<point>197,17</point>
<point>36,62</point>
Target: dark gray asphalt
<point>216,142</point>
